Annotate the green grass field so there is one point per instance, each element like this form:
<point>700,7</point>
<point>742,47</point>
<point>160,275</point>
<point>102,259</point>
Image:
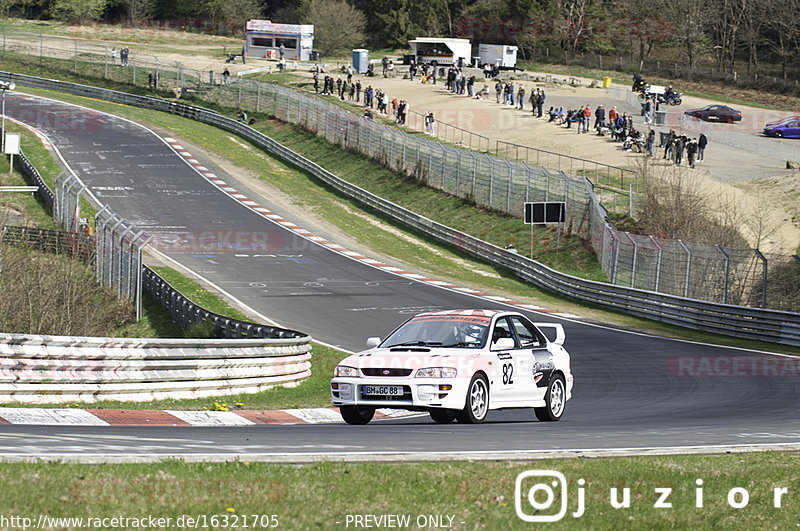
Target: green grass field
<point>449,495</point>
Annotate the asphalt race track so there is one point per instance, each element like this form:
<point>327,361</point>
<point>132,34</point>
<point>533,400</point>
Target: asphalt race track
<point>631,390</point>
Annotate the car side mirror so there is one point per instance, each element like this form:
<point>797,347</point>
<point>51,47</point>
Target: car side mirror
<point>373,342</point>
<point>504,343</point>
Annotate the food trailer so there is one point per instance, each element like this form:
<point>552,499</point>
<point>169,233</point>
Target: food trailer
<point>441,51</point>
<point>264,39</point>
<point>499,55</point>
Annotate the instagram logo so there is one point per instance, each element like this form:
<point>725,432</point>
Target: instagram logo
<point>540,496</point>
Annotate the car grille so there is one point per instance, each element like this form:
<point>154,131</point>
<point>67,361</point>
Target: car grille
<point>370,371</point>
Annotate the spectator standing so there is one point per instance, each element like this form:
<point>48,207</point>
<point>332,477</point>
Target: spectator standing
<point>533,99</point>
<point>498,87</point>
<point>226,77</point>
<point>113,56</point>
<point>669,144</point>
<point>521,97</point>
<point>385,65</point>
<point>471,86</point>
<point>647,108</point>
<point>679,145</point>
<point>651,142</point>
<point>281,51</point>
<point>599,118</point>
<point>702,142</point>
<point>540,102</point>
<point>316,83</point>
<point>612,115</point>
<point>691,150</point>
<point>358,90</point>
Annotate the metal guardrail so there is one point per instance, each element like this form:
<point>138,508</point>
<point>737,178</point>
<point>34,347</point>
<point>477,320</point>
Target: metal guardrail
<point>187,314</point>
<point>32,175</point>
<point>58,369</point>
<point>738,321</point>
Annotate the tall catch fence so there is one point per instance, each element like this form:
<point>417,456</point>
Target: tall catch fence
<point>705,272</point>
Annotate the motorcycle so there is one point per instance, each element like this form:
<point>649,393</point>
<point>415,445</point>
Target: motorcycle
<point>672,99</point>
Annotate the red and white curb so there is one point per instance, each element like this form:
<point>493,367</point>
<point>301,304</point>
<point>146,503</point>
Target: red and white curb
<point>132,417</point>
<point>275,218</point>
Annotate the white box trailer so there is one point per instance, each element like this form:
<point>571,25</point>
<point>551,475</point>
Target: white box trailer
<point>499,55</point>
<point>264,39</point>
<point>441,51</point>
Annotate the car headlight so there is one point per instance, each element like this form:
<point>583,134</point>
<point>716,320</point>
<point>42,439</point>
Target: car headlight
<point>345,371</point>
<point>436,372</point>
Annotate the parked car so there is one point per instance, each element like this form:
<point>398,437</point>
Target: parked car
<point>784,119</point>
<point>786,128</point>
<point>716,113</point>
<point>457,365</point>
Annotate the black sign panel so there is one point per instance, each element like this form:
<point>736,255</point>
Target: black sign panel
<point>545,212</point>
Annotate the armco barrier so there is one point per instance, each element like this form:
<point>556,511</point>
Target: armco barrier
<point>738,321</point>
<point>58,369</point>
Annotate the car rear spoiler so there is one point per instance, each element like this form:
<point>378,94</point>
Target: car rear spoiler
<point>560,336</point>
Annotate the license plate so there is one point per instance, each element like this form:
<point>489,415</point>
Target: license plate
<point>383,390</point>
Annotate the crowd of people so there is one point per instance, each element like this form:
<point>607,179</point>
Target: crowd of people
<point>374,99</point>
<point>619,126</point>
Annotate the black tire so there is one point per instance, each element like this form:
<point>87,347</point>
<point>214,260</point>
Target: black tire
<point>357,414</point>
<point>677,101</point>
<point>443,416</point>
<point>642,97</point>
<point>778,134</point>
<point>477,405</point>
<point>555,399</point>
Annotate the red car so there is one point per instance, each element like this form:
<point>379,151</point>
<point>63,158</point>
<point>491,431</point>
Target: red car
<point>716,113</point>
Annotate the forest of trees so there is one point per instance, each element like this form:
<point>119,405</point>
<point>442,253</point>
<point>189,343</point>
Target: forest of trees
<point>747,36</point>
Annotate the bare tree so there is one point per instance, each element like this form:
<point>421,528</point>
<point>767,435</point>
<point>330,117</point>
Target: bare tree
<point>783,18</point>
<point>337,25</point>
<point>139,10</point>
<point>689,18</point>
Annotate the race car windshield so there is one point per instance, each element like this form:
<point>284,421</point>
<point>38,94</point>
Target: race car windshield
<point>440,331</point>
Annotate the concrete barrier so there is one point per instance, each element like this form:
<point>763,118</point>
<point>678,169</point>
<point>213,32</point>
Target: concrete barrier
<point>60,369</point>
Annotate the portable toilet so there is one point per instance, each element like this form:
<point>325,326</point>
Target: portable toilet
<point>360,60</point>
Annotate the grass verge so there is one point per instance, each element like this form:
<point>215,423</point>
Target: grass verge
<point>455,495</point>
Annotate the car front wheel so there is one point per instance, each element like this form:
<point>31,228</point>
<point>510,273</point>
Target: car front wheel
<point>357,414</point>
<point>477,405</point>
<point>778,134</point>
<point>555,401</point>
<point>443,416</point>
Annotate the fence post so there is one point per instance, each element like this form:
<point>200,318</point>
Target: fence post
<point>444,165</point>
<point>727,270</point>
<point>491,182</point>
<point>510,182</point>
<point>633,262</point>
<point>41,48</point>
<point>688,268</point>
<point>764,278</point>
<point>658,265</point>
<point>76,57</point>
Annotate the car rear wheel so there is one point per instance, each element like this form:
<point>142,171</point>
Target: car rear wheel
<point>555,401</point>
<point>477,405</point>
<point>443,416</point>
<point>357,414</point>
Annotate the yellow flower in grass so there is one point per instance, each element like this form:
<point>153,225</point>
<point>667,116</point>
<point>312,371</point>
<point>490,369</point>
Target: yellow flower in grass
<point>230,509</point>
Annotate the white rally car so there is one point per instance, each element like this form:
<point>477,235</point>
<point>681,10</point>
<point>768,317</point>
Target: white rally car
<point>457,364</point>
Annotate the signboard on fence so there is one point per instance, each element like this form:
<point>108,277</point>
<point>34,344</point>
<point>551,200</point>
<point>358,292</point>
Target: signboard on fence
<point>545,212</point>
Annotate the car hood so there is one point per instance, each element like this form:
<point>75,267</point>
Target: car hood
<point>412,358</point>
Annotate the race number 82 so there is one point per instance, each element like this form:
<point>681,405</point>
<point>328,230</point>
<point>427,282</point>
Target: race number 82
<point>508,371</point>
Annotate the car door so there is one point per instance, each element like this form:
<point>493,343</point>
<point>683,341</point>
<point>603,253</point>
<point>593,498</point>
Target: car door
<point>712,113</point>
<point>792,129</point>
<point>532,358</point>
<point>505,375</point>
